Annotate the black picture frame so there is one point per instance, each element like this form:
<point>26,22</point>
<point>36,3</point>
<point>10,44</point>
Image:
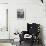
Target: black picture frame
<point>20,13</point>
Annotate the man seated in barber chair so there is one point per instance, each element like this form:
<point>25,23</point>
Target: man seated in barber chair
<point>32,33</point>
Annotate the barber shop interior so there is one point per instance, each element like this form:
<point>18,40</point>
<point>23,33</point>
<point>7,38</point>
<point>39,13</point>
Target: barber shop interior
<point>22,22</point>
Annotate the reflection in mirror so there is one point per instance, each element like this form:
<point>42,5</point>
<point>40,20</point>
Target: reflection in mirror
<point>3,17</point>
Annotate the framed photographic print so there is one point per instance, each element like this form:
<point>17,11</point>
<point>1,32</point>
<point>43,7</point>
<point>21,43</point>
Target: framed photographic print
<point>20,13</point>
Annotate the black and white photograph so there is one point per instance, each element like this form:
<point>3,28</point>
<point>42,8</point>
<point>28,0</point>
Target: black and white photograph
<point>22,22</point>
<point>20,13</point>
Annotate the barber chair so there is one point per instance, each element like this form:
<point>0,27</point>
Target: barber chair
<point>33,30</point>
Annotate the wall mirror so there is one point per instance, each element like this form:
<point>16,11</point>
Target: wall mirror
<point>3,16</point>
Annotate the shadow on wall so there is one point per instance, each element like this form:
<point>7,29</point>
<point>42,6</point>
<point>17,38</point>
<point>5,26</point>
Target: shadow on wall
<point>41,34</point>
